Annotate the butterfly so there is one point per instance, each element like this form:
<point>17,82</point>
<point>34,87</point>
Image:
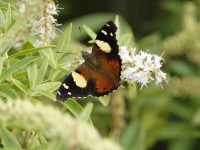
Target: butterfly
<point>100,74</point>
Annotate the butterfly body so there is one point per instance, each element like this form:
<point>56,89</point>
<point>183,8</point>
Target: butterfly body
<point>90,60</point>
<point>100,74</point>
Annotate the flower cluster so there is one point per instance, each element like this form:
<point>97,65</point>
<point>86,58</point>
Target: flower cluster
<point>45,26</point>
<point>141,67</point>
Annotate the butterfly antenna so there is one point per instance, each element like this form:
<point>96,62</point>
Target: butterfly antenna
<point>81,36</point>
<point>65,53</point>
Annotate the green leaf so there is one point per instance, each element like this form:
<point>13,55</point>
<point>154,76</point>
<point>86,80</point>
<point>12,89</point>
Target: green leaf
<point>5,5</point>
<point>149,42</point>
<point>64,41</point>
<point>92,22</point>
<point>132,137</point>
<point>42,71</point>
<point>32,72</point>
<point>29,51</point>
<point>8,139</point>
<point>117,24</point>
<point>50,86</point>
<point>89,31</point>
<point>45,93</point>
<point>12,69</point>
<point>182,144</point>
<point>174,130</point>
<point>182,68</point>
<point>74,107</point>
<point>2,59</point>
<point>196,117</point>
<point>86,112</point>
<point>6,44</point>
<point>44,146</point>
<point>20,85</point>
<point>8,18</point>
<point>104,100</point>
<point>2,21</point>
<point>9,94</point>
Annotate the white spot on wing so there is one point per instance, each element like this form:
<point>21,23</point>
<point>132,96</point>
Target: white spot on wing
<point>65,86</point>
<point>69,93</point>
<point>104,46</point>
<point>59,93</point>
<point>111,34</point>
<point>107,25</point>
<point>104,32</point>
<point>79,80</point>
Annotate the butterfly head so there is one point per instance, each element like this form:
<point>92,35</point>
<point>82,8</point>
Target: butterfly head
<point>90,59</point>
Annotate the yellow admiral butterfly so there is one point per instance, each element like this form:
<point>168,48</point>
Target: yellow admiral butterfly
<point>100,74</point>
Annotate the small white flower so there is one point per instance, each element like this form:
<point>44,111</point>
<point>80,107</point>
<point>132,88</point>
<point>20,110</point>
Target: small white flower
<point>22,6</point>
<point>141,67</point>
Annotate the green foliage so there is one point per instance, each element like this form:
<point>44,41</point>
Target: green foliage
<point>31,118</point>
<point>8,139</point>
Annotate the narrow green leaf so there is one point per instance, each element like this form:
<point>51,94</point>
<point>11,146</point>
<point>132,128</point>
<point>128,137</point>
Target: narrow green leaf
<point>44,146</point>
<point>2,59</point>
<point>29,51</point>
<point>86,112</point>
<point>97,24</point>
<point>196,117</point>
<point>2,20</point>
<point>8,18</point>
<point>6,44</point>
<point>64,41</point>
<point>74,107</point>
<point>50,86</point>
<point>174,130</point>
<point>117,24</point>
<point>1,16</point>
<point>45,93</point>
<point>12,69</point>
<point>32,72</point>
<point>104,100</point>
<point>132,137</point>
<point>89,31</point>
<point>5,5</point>
<point>20,85</point>
<point>8,139</point>
<point>9,94</point>
<point>42,71</point>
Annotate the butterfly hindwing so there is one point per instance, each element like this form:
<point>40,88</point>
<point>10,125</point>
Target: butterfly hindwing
<point>75,85</point>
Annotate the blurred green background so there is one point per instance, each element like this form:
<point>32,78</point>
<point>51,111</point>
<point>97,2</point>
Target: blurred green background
<point>149,119</point>
<point>153,118</point>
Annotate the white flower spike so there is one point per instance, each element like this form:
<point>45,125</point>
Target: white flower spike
<point>141,67</point>
<point>45,27</point>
